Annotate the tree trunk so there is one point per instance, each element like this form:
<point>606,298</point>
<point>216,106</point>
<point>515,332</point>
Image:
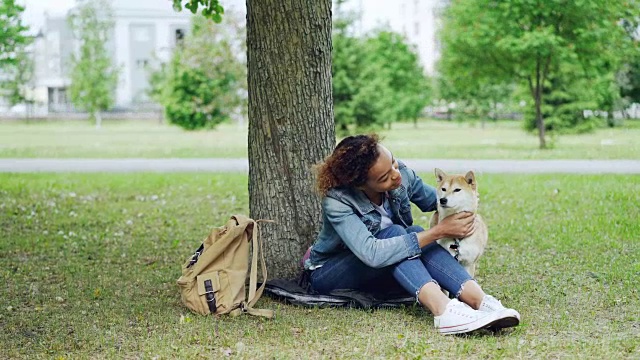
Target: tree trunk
<point>611,118</point>
<point>98,119</point>
<point>540,120</point>
<point>290,122</point>
<point>28,110</point>
<point>538,104</point>
<point>494,105</point>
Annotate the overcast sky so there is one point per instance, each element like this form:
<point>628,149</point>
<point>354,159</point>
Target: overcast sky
<point>34,10</point>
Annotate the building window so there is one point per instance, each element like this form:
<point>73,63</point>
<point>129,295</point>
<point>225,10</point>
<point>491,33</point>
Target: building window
<point>57,96</point>
<point>416,28</point>
<point>179,36</point>
<point>58,100</point>
<point>142,63</point>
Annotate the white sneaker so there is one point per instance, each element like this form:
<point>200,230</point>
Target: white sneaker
<point>506,317</point>
<point>460,318</point>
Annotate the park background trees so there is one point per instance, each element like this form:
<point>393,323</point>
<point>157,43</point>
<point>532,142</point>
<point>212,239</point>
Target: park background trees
<point>377,77</point>
<point>558,50</point>
<point>16,66</point>
<point>93,75</point>
<point>205,81</point>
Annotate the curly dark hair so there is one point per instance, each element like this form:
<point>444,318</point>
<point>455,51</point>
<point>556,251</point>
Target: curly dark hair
<point>349,163</point>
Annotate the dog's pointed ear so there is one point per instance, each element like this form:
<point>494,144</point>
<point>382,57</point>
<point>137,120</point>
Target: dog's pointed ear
<point>440,175</point>
<point>470,177</point>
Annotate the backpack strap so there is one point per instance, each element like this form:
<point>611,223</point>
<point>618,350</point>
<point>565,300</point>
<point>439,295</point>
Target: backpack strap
<point>254,291</point>
<point>211,299</point>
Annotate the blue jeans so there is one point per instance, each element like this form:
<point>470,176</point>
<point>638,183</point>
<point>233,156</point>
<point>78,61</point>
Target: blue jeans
<point>346,271</point>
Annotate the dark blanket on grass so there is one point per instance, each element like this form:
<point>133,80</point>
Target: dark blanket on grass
<point>294,291</point>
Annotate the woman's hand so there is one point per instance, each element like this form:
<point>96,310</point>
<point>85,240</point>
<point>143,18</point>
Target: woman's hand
<point>457,226</point>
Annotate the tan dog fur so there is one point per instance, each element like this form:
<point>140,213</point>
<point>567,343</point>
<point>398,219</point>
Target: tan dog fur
<point>461,194</point>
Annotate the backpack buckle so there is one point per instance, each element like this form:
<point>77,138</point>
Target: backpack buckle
<point>196,256</point>
<point>209,295</point>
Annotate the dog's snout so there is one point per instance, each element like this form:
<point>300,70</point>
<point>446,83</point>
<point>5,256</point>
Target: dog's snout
<point>443,201</point>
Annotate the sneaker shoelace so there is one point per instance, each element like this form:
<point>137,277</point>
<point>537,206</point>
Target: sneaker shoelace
<point>493,303</point>
<point>456,310</point>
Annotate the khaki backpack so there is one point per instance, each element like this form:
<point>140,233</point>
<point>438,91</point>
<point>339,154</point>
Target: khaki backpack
<point>213,279</point>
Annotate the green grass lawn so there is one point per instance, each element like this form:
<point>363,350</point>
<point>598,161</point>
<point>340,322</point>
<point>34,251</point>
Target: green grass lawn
<point>432,139</point>
<point>89,264</point>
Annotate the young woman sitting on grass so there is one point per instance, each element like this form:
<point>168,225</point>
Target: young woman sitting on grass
<point>368,242</point>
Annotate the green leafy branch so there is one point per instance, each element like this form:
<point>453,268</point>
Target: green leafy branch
<point>211,8</point>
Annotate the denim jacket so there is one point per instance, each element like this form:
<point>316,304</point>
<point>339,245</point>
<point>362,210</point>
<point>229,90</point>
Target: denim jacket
<point>350,223</point>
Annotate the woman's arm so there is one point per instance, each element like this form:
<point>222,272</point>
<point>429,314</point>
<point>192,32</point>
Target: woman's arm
<point>374,252</point>
<point>421,194</point>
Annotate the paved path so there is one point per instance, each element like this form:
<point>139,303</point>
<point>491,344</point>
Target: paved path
<point>241,165</point>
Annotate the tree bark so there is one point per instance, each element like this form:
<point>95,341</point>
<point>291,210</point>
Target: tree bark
<point>290,122</point>
<point>540,120</point>
<point>98,116</point>
<point>538,103</point>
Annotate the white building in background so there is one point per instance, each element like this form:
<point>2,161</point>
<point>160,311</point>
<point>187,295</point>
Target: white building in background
<point>420,20</point>
<point>146,30</point>
<point>143,31</point>
<point>51,51</point>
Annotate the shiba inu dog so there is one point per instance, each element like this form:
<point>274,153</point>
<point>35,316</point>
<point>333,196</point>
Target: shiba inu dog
<point>457,193</point>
